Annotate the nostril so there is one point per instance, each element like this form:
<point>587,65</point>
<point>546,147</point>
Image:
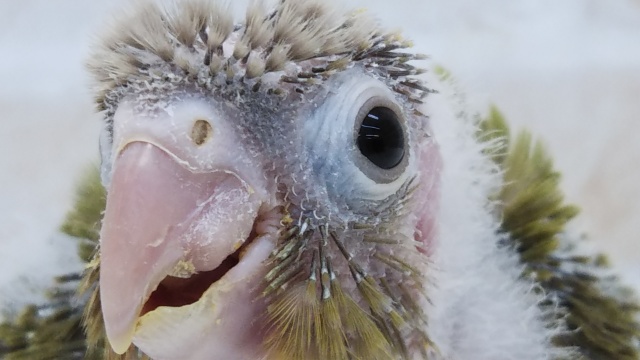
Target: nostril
<point>201,132</point>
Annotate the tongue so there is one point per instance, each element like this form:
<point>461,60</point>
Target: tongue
<point>163,219</point>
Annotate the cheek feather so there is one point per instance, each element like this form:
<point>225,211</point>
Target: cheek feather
<point>357,287</point>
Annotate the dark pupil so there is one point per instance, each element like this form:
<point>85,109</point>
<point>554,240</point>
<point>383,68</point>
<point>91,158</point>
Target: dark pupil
<point>380,138</point>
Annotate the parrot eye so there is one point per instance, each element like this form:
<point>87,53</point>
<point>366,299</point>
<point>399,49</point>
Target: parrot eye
<point>380,138</point>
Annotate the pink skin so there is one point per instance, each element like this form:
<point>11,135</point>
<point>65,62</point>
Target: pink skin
<point>427,210</point>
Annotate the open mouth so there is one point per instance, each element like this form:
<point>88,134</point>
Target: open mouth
<point>175,241</point>
<point>176,291</point>
<point>211,314</point>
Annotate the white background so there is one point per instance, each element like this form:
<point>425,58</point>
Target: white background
<point>569,70</point>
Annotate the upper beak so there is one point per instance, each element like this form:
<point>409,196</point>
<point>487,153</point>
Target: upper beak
<point>169,241</point>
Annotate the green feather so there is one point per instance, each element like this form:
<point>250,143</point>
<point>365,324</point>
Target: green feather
<point>601,314</point>
<point>83,221</point>
<point>54,330</point>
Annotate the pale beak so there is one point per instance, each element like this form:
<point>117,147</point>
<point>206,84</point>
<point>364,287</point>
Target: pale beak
<point>179,255</point>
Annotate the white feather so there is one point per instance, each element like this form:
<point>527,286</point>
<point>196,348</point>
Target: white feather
<point>481,308</point>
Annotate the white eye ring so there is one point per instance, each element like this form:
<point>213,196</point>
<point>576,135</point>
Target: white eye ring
<point>330,138</point>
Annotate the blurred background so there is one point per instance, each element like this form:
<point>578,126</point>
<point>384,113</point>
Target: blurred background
<point>568,70</point>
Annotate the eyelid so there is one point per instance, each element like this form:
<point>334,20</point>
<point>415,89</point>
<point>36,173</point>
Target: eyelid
<point>379,101</point>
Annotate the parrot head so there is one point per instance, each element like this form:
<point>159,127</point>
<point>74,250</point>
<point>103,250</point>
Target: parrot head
<point>271,186</point>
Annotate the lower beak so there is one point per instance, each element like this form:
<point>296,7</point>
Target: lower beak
<point>178,254</point>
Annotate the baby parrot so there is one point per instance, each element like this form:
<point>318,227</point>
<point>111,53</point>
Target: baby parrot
<point>272,187</point>
<point>290,187</point>
<point>284,189</point>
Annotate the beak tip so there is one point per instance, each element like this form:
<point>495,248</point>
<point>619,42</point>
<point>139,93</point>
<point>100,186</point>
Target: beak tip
<point>120,344</point>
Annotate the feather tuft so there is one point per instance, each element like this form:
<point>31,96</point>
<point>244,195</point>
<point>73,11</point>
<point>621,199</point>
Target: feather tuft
<point>196,42</point>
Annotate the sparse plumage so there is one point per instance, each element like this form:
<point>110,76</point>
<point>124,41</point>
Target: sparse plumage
<point>245,220</point>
